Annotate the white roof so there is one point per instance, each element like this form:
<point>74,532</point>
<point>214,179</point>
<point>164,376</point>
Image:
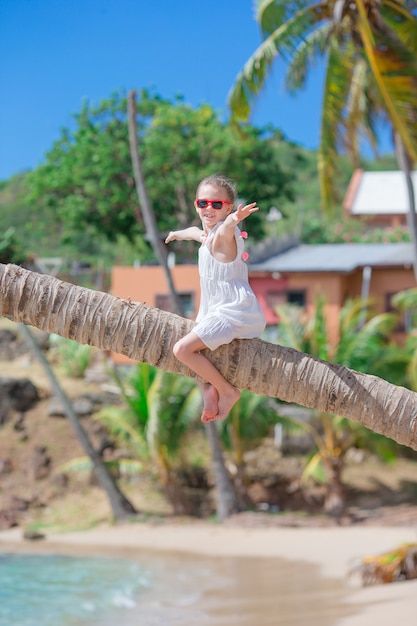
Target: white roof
<point>381,193</point>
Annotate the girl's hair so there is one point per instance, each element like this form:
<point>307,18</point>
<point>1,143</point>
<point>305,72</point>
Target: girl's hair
<point>218,180</point>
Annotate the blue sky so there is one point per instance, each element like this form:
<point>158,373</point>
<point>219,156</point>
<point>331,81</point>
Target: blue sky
<point>54,54</point>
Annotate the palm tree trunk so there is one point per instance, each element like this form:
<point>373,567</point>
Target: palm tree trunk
<point>146,334</point>
<point>335,498</point>
<point>227,502</point>
<point>120,505</point>
<point>145,204</point>
<point>404,162</point>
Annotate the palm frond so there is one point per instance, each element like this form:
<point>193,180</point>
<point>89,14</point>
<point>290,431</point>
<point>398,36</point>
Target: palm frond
<point>317,331</point>
<point>190,407</point>
<point>356,109</point>
<point>313,45</point>
<point>392,363</point>
<point>282,41</point>
<point>395,565</point>
<point>339,71</point>
<point>402,22</point>
<point>291,326</point>
<point>371,337</point>
<point>394,67</point>
<point>353,312</point>
<point>412,371</point>
<point>270,14</point>
<point>121,424</point>
<point>315,469</point>
<point>404,300</point>
<point>155,409</point>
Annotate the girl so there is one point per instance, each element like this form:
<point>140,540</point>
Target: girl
<point>228,306</point>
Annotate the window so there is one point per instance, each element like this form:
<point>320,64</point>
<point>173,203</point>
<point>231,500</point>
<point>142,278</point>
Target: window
<point>291,296</point>
<point>296,296</point>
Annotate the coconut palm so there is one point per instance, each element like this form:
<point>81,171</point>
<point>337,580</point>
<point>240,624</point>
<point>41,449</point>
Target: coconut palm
<point>370,52</point>
<point>147,335</point>
<point>363,344</point>
<point>160,407</point>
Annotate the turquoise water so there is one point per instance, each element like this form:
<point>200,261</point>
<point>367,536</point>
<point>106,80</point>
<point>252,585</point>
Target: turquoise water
<point>151,589</point>
<point>54,590</point>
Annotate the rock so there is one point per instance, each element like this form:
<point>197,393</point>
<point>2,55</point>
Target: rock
<point>8,342</point>
<point>6,466</point>
<point>12,345</point>
<point>60,481</point>
<point>40,463</point>
<point>16,395</point>
<point>18,504</point>
<point>81,406</point>
<point>32,535</point>
<point>8,519</point>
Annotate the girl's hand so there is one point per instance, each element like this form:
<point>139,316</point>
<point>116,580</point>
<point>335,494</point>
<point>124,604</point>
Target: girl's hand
<point>242,212</point>
<point>171,237</point>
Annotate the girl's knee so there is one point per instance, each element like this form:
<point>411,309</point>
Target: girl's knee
<point>179,350</point>
<point>185,347</point>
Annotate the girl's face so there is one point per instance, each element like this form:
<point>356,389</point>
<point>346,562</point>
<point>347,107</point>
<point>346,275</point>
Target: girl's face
<point>208,215</point>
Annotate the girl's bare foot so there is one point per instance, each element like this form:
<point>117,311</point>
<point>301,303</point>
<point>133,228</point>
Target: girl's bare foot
<point>211,403</point>
<point>226,402</point>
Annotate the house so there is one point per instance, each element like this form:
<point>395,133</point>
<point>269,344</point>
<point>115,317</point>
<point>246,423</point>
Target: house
<point>379,198</point>
<point>297,275</point>
<point>336,272</point>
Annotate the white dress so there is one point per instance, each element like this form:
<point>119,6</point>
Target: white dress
<point>228,307</point>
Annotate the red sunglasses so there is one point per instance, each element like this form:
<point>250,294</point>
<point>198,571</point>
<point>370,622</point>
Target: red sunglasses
<point>203,203</point>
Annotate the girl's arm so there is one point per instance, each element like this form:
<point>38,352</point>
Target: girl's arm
<point>193,233</point>
<point>224,243</point>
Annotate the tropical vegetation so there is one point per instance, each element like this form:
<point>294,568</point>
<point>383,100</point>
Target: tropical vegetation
<point>364,345</point>
<point>369,51</point>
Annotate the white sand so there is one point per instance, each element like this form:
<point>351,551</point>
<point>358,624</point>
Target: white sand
<point>334,550</point>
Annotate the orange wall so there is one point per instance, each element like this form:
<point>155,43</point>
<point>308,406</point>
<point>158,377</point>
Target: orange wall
<point>143,284</point>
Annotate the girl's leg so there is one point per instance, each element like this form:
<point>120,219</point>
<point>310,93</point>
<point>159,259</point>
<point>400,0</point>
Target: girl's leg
<point>187,350</point>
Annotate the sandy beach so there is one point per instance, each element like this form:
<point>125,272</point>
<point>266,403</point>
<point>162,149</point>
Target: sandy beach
<point>258,555</point>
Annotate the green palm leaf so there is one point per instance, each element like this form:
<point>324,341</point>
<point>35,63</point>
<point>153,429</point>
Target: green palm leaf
<point>395,69</point>
<point>291,326</point>
<point>122,424</point>
<point>359,114</point>
<point>313,45</point>
<point>281,41</point>
<point>340,68</point>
